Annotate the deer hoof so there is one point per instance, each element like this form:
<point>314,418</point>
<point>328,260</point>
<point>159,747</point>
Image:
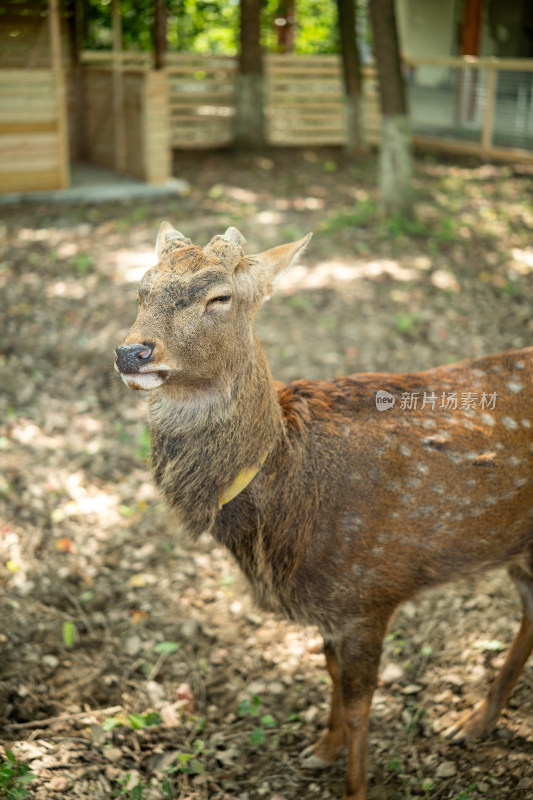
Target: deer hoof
<point>321,755</point>
<point>474,725</point>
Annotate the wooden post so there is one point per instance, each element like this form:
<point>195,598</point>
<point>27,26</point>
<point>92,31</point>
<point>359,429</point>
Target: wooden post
<point>77,132</point>
<point>119,129</point>
<point>61,104</point>
<point>488,116</point>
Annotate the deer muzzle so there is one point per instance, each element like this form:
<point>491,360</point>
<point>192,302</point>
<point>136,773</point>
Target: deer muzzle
<point>131,358</point>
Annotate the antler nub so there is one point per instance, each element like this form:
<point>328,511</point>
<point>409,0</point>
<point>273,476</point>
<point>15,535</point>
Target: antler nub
<point>168,238</point>
<point>234,236</point>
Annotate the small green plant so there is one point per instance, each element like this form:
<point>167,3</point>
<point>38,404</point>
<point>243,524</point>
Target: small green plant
<point>395,765</point>
<point>83,263</point>
<point>398,225</point>
<point>465,793</point>
<point>14,778</point>
<point>363,213</point>
<point>510,289</point>
<point>189,763</point>
<point>69,634</point>
<point>406,322</point>
<point>127,792</point>
<point>135,721</point>
<point>396,640</point>
<point>252,707</point>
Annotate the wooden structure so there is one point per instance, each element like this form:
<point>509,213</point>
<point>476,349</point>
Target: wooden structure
<point>114,109</point>
<point>33,124</point>
<point>54,108</point>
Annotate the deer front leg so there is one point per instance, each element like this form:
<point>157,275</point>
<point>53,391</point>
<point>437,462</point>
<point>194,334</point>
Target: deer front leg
<point>332,743</point>
<point>359,669</point>
<point>353,667</point>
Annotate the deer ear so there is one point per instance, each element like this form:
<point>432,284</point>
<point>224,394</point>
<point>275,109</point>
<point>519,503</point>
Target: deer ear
<point>168,239</point>
<point>267,266</point>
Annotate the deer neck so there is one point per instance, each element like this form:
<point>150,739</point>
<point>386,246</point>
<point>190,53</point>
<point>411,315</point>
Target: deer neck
<point>206,447</point>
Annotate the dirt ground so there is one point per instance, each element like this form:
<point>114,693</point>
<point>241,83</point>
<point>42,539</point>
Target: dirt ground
<point>132,663</point>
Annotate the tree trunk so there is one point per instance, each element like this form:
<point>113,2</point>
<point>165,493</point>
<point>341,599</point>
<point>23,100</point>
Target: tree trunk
<point>396,154</point>
<point>352,78</point>
<point>284,22</point>
<point>159,33</point>
<point>249,117</point>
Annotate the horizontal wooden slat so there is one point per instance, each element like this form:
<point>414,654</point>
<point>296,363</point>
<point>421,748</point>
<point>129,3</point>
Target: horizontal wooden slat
<point>24,181</point>
<point>8,128</point>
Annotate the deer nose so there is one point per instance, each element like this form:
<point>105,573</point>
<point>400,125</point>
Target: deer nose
<point>129,358</point>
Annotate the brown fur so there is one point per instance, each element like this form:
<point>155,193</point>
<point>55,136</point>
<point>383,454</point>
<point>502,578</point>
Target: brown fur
<point>355,510</point>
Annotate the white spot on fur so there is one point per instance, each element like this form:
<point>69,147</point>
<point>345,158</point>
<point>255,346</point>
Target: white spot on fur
<point>525,423</point>
<point>455,458</point>
<point>514,386</point>
<point>520,365</point>
<point>510,423</point>
<point>423,468</point>
<point>487,418</point>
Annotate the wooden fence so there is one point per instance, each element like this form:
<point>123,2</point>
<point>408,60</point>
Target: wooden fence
<point>32,146</point>
<point>467,105</point>
<point>304,100</point>
<point>128,130</point>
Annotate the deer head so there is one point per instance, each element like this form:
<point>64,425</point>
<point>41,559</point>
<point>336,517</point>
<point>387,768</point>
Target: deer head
<point>196,310</point>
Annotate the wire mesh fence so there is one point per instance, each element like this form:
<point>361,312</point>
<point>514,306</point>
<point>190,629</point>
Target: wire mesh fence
<point>481,103</point>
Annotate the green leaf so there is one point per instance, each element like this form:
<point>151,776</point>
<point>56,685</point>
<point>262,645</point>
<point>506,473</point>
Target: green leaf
<point>244,708</point>
<point>69,634</point>
<point>167,647</point>
<point>268,721</point>
<point>126,511</point>
<point>109,723</point>
<point>258,736</point>
<point>147,669</point>
<point>152,718</point>
<point>489,644</point>
<point>196,766</point>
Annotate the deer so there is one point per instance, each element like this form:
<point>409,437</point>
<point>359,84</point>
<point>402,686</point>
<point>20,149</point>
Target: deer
<point>339,499</point>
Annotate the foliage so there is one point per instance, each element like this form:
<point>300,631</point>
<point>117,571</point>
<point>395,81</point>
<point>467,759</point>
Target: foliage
<point>14,778</point>
<point>211,26</point>
<point>136,721</point>
<point>253,707</point>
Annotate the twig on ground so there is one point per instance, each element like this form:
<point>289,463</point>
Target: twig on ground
<point>44,723</point>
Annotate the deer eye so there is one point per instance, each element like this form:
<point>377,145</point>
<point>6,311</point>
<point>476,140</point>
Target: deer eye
<point>219,300</point>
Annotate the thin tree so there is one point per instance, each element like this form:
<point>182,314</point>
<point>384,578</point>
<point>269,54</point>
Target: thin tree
<point>159,33</point>
<point>249,117</point>
<point>351,67</point>
<point>396,154</point>
<point>285,22</point>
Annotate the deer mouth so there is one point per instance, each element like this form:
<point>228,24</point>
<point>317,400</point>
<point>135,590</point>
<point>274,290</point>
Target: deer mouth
<point>145,379</point>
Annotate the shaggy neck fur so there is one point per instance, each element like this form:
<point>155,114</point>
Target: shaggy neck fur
<point>201,441</point>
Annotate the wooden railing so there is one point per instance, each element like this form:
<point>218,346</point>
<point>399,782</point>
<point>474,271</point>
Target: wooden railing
<point>469,105</point>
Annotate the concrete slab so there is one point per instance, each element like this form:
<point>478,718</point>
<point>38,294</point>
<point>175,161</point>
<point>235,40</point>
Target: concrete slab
<point>94,184</point>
